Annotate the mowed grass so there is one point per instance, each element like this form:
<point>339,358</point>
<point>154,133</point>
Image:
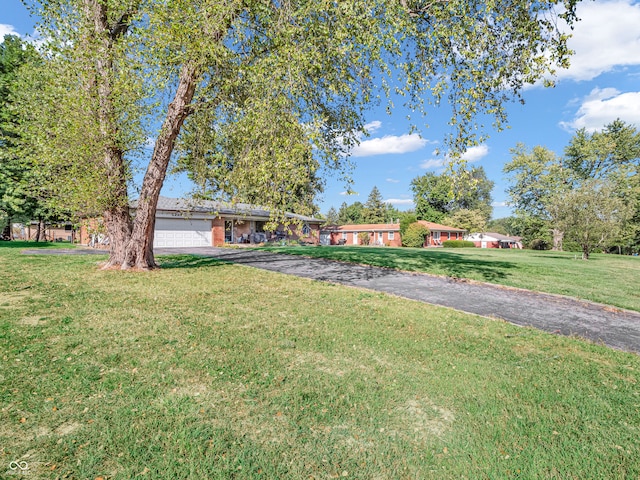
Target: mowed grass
<point>608,279</point>
<point>209,370</point>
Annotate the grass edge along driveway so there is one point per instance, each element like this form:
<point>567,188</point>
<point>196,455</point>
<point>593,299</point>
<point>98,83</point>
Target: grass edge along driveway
<point>607,279</point>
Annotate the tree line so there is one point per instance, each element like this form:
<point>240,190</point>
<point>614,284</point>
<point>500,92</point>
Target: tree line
<point>587,199</point>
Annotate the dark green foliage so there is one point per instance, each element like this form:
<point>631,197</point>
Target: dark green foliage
<point>539,244</point>
<point>438,196</point>
<point>332,217</point>
<point>351,214</point>
<point>458,244</point>
<point>415,235</point>
<point>375,209</point>
<point>405,220</point>
<point>18,182</point>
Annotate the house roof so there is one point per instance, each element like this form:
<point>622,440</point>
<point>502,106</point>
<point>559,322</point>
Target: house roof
<point>219,208</point>
<point>393,227</point>
<point>368,226</point>
<point>440,228</point>
<point>504,238</point>
<point>494,236</point>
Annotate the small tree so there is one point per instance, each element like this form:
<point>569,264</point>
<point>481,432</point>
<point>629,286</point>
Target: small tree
<point>363,237</point>
<point>415,235</point>
<point>591,215</point>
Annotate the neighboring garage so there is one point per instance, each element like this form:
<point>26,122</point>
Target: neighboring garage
<point>182,232</point>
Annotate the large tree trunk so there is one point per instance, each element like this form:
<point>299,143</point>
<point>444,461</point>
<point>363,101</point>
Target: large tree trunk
<point>139,250</point>
<point>557,239</point>
<point>116,215</point>
<point>7,231</point>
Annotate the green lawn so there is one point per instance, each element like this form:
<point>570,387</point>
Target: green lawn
<point>609,279</point>
<point>209,370</point>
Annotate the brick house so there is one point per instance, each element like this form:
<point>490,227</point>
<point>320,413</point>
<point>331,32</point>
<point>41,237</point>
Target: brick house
<point>386,234</point>
<point>200,223</point>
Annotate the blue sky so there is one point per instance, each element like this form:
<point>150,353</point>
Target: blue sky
<point>602,84</point>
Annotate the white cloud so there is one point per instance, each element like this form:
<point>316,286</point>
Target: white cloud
<point>399,201</point>
<point>432,163</point>
<point>393,180</point>
<point>373,126</point>
<point>603,106</point>
<point>389,144</point>
<point>499,204</point>
<point>7,30</point>
<point>474,154</point>
<point>606,37</point>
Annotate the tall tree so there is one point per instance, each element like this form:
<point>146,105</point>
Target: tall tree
<point>536,176</point>
<point>351,214</point>
<point>432,195</point>
<point>332,217</point>
<point>603,154</point>
<point>17,176</point>
<point>375,209</point>
<point>438,196</point>
<point>612,153</point>
<point>273,77</point>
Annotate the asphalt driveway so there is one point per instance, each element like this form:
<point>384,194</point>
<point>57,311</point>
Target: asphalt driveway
<point>614,327</point>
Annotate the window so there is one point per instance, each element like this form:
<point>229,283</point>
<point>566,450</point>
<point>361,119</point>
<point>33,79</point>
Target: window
<point>391,235</point>
<point>344,235</point>
<point>306,230</point>
<point>436,235</point>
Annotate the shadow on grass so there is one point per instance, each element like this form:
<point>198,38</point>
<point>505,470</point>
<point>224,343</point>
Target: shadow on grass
<point>22,244</point>
<point>435,261</point>
<point>167,262</point>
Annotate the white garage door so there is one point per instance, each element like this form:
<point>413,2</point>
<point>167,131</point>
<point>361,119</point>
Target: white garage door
<point>182,232</point>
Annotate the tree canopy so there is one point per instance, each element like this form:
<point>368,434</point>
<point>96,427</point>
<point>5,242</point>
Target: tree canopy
<point>260,94</point>
<point>548,189</point>
<point>438,196</point>
<point>18,176</point>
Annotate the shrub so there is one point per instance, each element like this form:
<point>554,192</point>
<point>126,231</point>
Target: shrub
<point>406,220</point>
<point>540,244</point>
<point>364,238</point>
<point>458,244</point>
<point>414,235</point>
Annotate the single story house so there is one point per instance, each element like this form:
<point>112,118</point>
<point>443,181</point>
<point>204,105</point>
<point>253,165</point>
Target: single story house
<point>202,223</point>
<point>494,240</point>
<point>50,232</point>
<point>386,234</point>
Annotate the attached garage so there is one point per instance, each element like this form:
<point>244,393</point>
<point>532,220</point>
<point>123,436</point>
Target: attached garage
<point>182,232</point>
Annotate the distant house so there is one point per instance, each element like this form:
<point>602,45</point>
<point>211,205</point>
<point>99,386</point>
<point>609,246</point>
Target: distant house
<point>494,240</point>
<point>193,223</point>
<point>49,232</point>
<point>379,234</point>
<point>440,233</point>
<point>386,234</point>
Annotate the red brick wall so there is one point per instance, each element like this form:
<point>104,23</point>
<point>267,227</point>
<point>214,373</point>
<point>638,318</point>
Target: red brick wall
<point>217,232</point>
